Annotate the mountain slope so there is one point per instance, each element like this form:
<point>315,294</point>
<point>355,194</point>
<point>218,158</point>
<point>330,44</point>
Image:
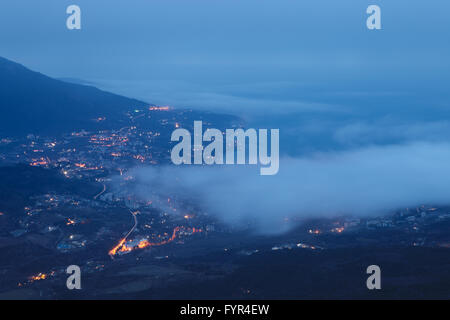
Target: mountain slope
<point>31,102</point>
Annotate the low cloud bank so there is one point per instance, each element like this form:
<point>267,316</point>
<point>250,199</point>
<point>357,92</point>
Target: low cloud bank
<point>368,181</point>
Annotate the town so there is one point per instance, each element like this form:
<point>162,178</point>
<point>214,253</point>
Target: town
<point>71,198</point>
